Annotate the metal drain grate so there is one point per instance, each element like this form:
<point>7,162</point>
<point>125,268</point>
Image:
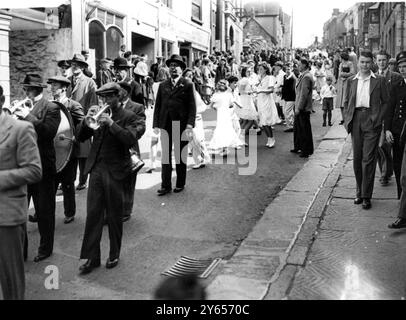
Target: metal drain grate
<point>186,266</point>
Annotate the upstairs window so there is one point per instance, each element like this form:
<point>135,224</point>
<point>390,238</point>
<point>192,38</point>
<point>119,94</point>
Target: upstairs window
<point>197,11</point>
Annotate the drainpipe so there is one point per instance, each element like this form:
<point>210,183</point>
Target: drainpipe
<point>402,27</point>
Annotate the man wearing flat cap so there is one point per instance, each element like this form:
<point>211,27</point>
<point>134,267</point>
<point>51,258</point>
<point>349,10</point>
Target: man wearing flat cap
<point>84,92</point>
<point>174,114</point>
<point>67,177</point>
<point>109,165</point>
<point>139,110</point>
<point>45,116</point>
<point>396,120</point>
<point>123,70</point>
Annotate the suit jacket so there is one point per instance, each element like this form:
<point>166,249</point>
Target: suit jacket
<point>111,145</point>
<point>139,111</point>
<point>46,117</point>
<point>84,92</point>
<point>378,101</point>
<point>77,114</point>
<point>104,76</point>
<point>20,164</point>
<point>304,92</point>
<point>137,95</point>
<point>396,113</point>
<point>177,104</point>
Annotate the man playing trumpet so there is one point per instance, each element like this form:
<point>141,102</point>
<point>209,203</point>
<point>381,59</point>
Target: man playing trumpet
<point>109,166</point>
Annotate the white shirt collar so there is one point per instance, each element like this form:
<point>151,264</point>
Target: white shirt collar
<point>125,102</point>
<point>38,98</point>
<point>358,76</point>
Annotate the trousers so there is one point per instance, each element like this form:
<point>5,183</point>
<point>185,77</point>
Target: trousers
<point>67,178</point>
<point>12,276</point>
<point>302,133</point>
<point>365,139</point>
<point>105,195</point>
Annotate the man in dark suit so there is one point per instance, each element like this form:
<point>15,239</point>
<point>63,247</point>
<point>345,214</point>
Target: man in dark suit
<point>20,164</point>
<point>396,114</point>
<point>84,92</point>
<point>365,105</point>
<point>385,162</point>
<point>302,129</point>
<point>46,117</point>
<point>105,75</point>
<point>109,165</point>
<point>67,177</point>
<point>123,70</point>
<point>174,114</point>
<point>139,111</point>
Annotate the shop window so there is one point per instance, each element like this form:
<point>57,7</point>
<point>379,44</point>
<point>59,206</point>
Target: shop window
<point>197,11</point>
<point>167,48</point>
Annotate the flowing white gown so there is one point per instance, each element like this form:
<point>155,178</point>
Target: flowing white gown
<point>267,112</point>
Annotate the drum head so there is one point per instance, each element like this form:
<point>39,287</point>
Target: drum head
<point>63,141</point>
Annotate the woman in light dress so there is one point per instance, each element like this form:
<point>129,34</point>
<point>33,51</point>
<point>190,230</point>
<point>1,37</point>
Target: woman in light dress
<point>198,143</point>
<point>346,70</point>
<point>247,113</point>
<point>224,136</point>
<point>267,112</point>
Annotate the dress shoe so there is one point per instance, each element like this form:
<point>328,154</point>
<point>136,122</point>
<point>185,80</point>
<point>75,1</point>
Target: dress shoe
<point>89,266</point>
<point>304,155</point>
<point>33,218</point>
<point>324,124</point>
<point>81,187</point>
<point>358,200</point>
<point>330,124</point>
<point>366,205</point>
<point>384,182</point>
<point>288,130</point>
<point>295,151</point>
<point>68,220</point>
<point>162,192</point>
<point>126,218</point>
<point>110,264</point>
<point>398,224</point>
<point>41,257</point>
<point>177,190</point>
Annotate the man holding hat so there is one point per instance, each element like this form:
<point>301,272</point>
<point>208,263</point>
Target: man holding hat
<point>45,116</point>
<point>123,70</point>
<point>109,165</point>
<point>174,114</point>
<point>84,92</point>
<point>139,111</point>
<point>67,177</point>
<point>396,119</point>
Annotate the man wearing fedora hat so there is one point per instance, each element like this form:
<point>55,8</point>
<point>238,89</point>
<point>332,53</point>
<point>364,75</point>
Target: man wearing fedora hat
<point>139,110</point>
<point>45,116</point>
<point>109,165</point>
<point>67,177</point>
<point>123,70</point>
<point>174,114</point>
<point>395,124</point>
<point>84,92</point>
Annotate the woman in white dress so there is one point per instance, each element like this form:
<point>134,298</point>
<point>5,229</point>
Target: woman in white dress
<point>267,112</point>
<point>224,136</point>
<point>247,113</point>
<point>198,143</point>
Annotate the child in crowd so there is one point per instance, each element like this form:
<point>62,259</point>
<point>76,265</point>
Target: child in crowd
<point>327,93</point>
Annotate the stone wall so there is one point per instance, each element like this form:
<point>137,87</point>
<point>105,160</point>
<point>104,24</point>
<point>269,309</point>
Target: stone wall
<point>254,30</point>
<point>37,51</point>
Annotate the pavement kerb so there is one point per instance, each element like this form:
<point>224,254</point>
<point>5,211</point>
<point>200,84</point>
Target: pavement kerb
<point>275,241</point>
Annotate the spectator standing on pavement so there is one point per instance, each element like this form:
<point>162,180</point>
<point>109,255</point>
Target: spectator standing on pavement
<point>396,111</point>
<point>386,163</point>
<point>22,166</point>
<point>303,137</point>
<point>346,70</point>
<point>288,92</point>
<point>327,94</point>
<point>353,58</point>
<point>365,106</point>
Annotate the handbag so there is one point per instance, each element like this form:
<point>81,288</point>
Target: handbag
<point>136,161</point>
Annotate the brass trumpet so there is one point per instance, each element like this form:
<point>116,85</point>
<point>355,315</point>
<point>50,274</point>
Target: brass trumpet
<point>18,104</point>
<point>93,121</point>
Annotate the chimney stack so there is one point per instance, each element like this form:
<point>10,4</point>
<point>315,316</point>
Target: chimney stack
<point>336,12</point>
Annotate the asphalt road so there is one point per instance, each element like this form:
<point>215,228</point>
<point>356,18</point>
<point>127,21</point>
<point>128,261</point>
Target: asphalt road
<point>209,219</point>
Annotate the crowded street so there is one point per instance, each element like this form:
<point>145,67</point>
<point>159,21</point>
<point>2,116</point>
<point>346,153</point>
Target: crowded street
<point>202,150</point>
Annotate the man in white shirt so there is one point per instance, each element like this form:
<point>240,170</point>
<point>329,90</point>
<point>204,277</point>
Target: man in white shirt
<point>365,105</point>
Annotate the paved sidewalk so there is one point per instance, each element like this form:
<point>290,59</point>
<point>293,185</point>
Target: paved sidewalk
<point>354,255</point>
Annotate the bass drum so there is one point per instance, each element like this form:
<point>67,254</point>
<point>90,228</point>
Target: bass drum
<point>64,139</point>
